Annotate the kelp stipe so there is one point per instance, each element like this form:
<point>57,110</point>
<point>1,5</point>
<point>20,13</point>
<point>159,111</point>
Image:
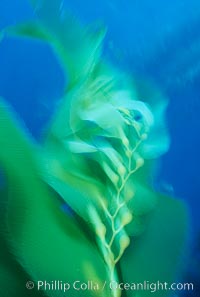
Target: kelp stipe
<point>97,157</point>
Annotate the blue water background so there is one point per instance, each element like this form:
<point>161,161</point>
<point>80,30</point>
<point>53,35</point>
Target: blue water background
<point>158,40</point>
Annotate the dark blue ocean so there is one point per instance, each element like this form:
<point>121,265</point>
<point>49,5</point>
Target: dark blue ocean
<point>156,40</point>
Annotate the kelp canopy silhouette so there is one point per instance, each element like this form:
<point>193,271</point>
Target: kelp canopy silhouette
<point>97,156</point>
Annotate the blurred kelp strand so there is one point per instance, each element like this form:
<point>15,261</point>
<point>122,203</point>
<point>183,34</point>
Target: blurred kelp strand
<point>54,26</point>
<point>37,232</point>
<point>97,156</point>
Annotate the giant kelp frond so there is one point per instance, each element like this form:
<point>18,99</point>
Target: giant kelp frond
<point>98,146</point>
<point>100,133</point>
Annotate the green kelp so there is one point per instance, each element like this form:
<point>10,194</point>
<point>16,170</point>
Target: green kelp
<point>97,157</point>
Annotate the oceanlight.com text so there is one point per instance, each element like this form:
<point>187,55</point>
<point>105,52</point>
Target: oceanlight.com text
<point>90,285</point>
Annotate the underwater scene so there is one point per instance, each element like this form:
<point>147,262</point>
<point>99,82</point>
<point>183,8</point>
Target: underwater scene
<point>99,148</point>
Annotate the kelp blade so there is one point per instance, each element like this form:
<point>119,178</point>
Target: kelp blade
<point>48,243</point>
